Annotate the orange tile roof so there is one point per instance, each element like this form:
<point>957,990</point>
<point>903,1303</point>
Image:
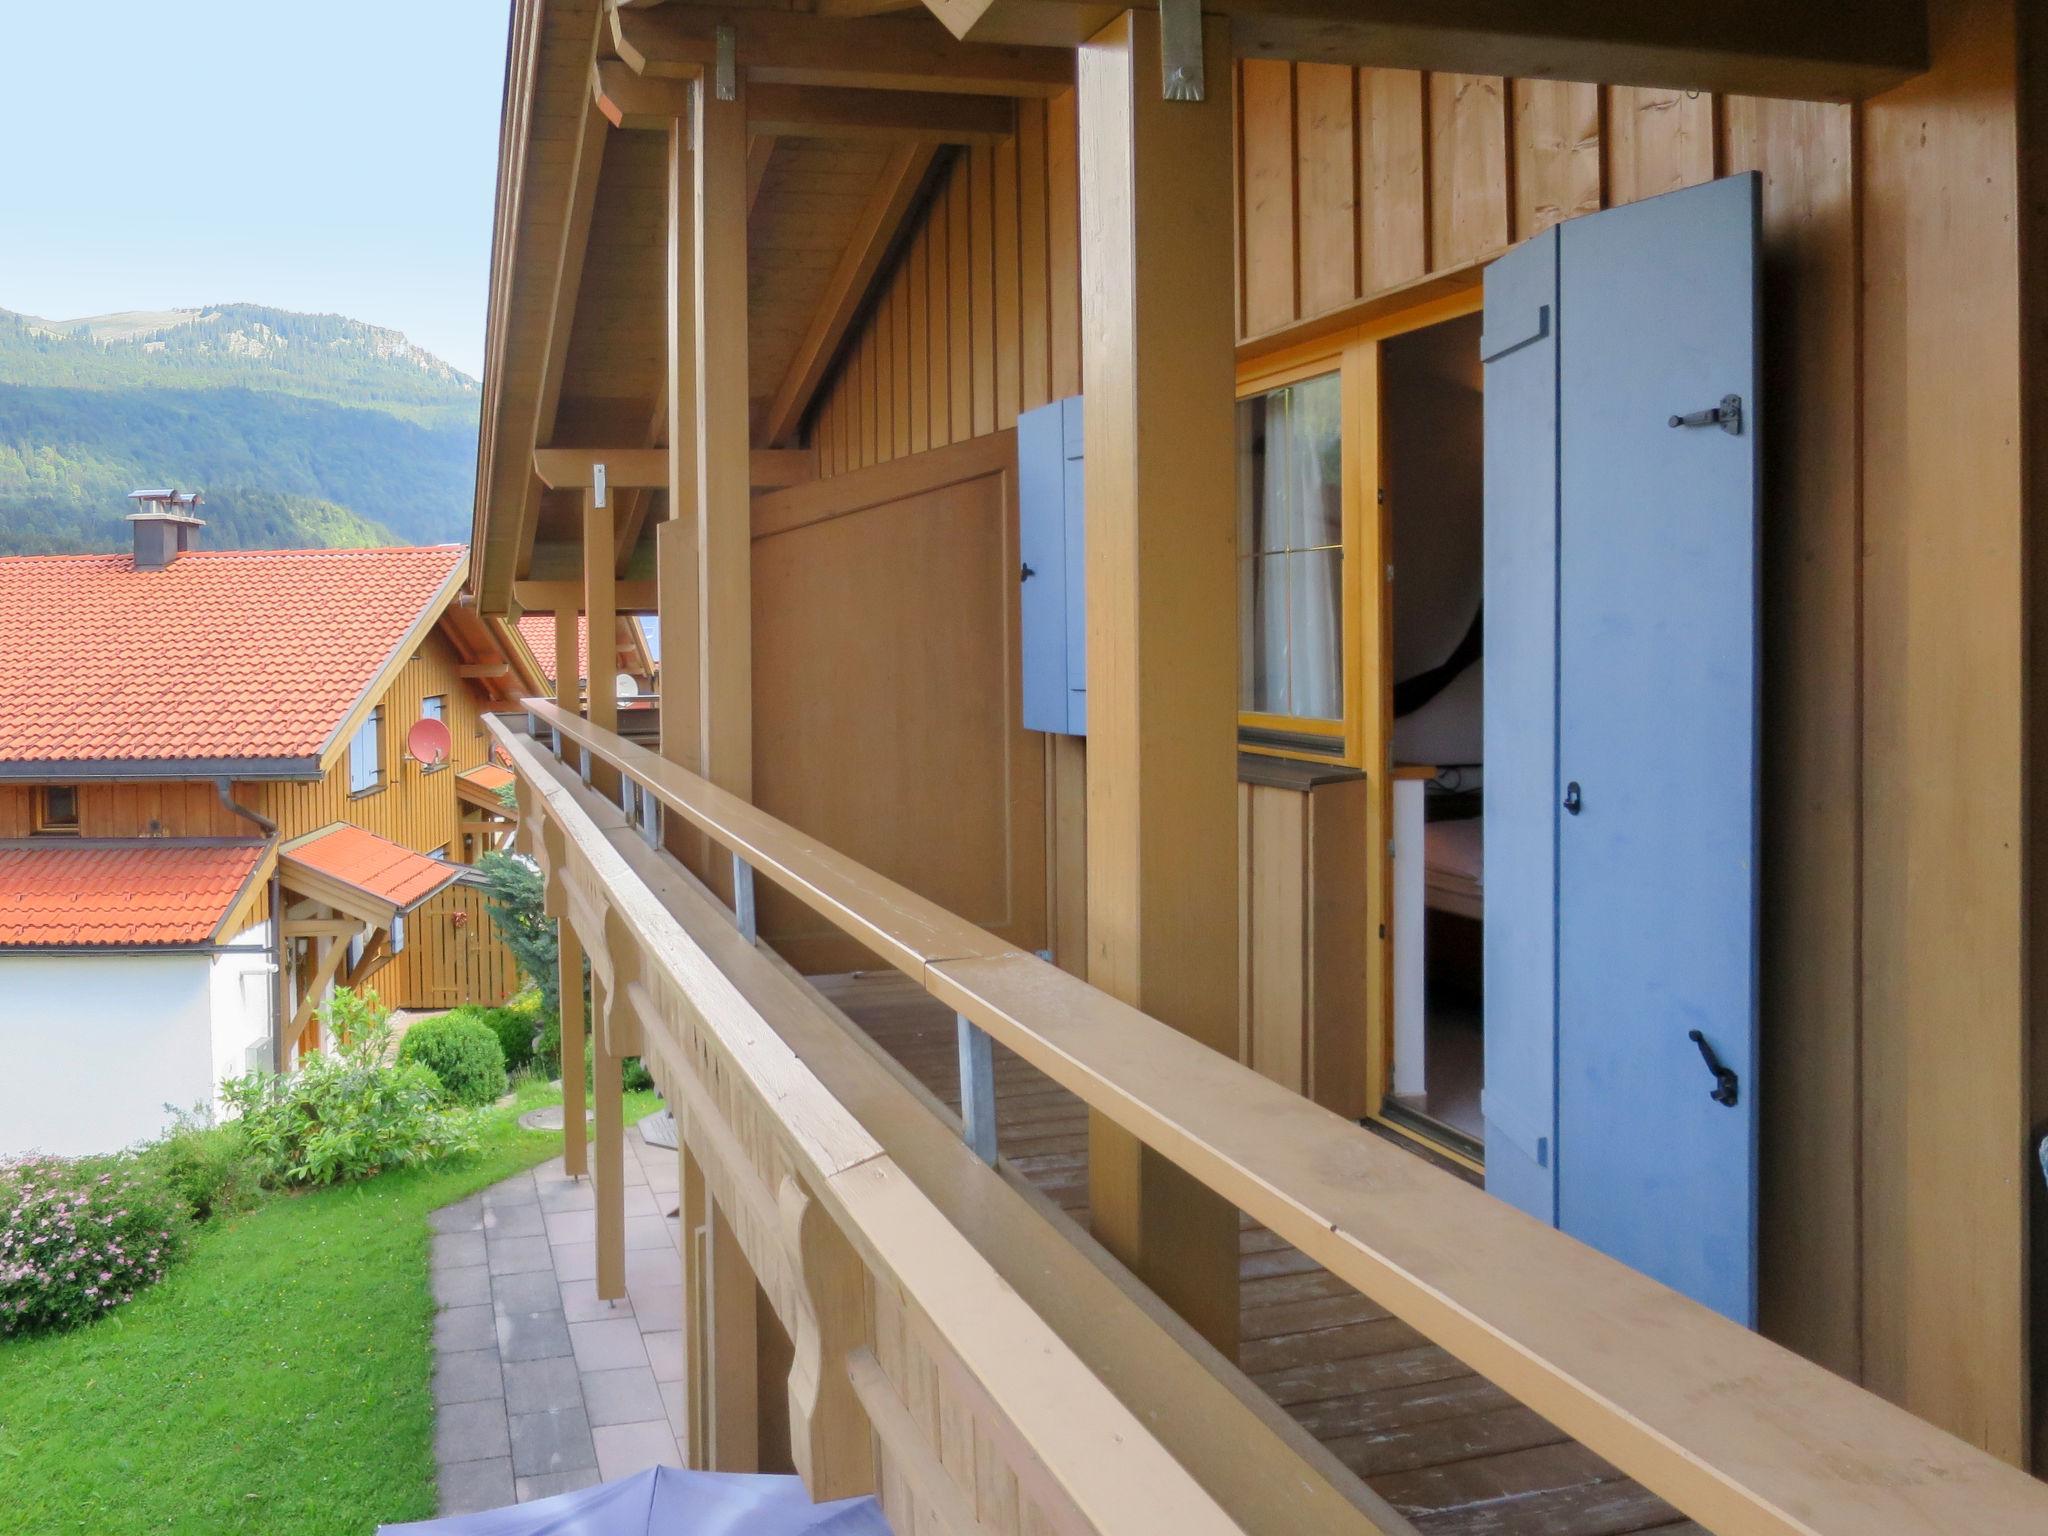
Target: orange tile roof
<point>136,893</point>
<point>371,864</point>
<point>487,776</point>
<point>222,654</point>
<point>538,631</point>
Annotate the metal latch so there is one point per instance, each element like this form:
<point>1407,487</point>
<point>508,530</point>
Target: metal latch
<point>1727,416</point>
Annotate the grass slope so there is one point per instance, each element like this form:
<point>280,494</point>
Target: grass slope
<point>278,1381</point>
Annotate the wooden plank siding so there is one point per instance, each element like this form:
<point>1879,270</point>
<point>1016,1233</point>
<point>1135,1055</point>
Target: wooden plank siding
<point>1894,1010</point>
<point>414,805</point>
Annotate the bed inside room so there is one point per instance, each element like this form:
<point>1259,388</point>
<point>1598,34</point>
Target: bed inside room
<point>1431,460</point>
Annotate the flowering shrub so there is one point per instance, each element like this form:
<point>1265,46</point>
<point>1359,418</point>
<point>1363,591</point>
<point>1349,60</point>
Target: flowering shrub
<point>79,1238</point>
<point>346,1114</point>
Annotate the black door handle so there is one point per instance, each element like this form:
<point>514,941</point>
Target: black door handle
<point>1571,797</point>
<point>1724,1079</point>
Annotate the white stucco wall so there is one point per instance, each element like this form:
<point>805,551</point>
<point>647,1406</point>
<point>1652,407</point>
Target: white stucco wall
<point>240,988</point>
<point>96,1045</point>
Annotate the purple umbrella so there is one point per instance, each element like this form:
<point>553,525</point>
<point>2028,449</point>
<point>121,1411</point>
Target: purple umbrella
<point>665,1501</point>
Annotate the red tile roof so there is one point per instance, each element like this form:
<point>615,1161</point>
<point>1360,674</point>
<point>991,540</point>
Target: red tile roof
<point>371,864</point>
<point>222,654</point>
<point>490,777</point>
<point>538,631</point>
<point>139,893</point>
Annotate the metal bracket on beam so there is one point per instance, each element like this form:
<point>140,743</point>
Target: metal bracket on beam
<point>977,1089</point>
<point>1180,50</point>
<point>725,66</point>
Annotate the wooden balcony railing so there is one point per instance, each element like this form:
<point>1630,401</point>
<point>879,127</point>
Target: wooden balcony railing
<point>1106,1414</point>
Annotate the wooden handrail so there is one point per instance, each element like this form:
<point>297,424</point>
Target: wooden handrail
<point>1103,1469</point>
<point>1735,1431</point>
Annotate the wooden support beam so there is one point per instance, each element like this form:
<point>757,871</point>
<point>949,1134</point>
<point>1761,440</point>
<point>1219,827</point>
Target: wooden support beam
<point>675,551</point>
<point>375,956</point>
<point>733,1335</point>
<point>647,468</point>
<point>609,1174</point>
<point>569,968</point>
<point>635,102</point>
<point>1742,47</point>
<point>835,112</point>
<point>600,611</point>
<point>1157,285</point>
<point>322,927</point>
<point>724,496</point>
<point>333,952</point>
<point>906,53</point>
<point>894,194</point>
<point>483,669</point>
<point>760,155</point>
<point>632,595</point>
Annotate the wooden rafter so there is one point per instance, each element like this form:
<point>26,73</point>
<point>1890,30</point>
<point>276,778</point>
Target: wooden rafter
<point>760,154</point>
<point>647,468</point>
<point>904,53</point>
<point>888,206</point>
<point>377,953</point>
<point>915,117</point>
<point>1745,47</point>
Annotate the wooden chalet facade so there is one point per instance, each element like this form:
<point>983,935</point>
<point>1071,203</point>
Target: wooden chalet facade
<point>1079,612</point>
<point>190,745</point>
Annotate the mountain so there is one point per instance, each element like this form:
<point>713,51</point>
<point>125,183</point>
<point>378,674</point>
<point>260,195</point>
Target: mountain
<point>300,430</point>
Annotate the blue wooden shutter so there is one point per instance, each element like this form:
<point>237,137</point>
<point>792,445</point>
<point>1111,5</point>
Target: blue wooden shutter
<point>1051,544</point>
<point>1649,758</point>
<point>1519,346</point>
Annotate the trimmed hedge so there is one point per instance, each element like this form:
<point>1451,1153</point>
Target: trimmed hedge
<point>515,1024</point>
<point>462,1051</point>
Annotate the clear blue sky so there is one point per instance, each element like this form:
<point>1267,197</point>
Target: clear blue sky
<point>327,157</point>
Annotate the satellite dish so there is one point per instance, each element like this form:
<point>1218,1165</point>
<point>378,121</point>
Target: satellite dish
<point>429,741</point>
<point>624,686</point>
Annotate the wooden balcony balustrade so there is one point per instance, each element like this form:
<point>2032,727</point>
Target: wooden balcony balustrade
<point>953,1350</point>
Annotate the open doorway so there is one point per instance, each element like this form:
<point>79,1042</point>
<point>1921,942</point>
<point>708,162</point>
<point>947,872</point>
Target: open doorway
<point>1431,457</point>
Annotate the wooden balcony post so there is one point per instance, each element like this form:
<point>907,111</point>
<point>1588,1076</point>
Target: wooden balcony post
<point>575,1134</point>
<point>1157,283</point>
<point>732,1351</point>
<point>675,541</point>
<point>724,476</point>
<point>608,1093</point>
<point>601,612</point>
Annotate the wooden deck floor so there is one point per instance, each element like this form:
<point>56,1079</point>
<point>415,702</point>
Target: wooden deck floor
<point>1446,1447</point>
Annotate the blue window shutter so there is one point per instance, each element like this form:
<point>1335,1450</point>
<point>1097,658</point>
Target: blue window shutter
<point>1077,582</point>
<point>1052,615</point>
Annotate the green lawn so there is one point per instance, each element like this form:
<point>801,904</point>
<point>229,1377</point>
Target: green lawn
<point>278,1381</point>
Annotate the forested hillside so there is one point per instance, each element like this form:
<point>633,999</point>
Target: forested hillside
<point>299,429</point>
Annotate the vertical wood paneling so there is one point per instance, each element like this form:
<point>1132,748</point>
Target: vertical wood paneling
<point>900,306</point>
<point>885,376</point>
<point>1008,341</point>
<point>1326,176</point>
<point>1034,259</point>
<point>1393,208</point>
<point>1267,248</point>
<point>1557,153</point>
<point>981,205</point>
<point>1063,236</point>
<point>917,289</point>
<point>938,313</point>
<point>1657,141</point>
<point>960,295</point>
<point>1468,168</point>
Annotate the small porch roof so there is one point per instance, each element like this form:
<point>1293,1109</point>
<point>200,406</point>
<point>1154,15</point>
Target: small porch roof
<point>131,894</point>
<point>363,875</point>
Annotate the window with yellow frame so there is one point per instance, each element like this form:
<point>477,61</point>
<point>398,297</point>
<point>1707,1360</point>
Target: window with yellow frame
<point>1311,539</point>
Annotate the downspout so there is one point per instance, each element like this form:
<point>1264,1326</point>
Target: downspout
<point>225,789</point>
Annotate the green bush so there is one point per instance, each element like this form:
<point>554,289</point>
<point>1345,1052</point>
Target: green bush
<point>211,1169</point>
<point>515,1025</point>
<point>547,1051</point>
<point>462,1051</point>
<point>350,1114</point>
<point>78,1238</point>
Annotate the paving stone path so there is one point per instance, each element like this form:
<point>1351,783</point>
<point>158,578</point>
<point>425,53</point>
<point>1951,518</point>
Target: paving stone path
<point>539,1387</point>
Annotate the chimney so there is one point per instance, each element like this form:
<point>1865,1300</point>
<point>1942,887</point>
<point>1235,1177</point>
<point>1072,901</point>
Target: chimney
<point>164,527</point>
